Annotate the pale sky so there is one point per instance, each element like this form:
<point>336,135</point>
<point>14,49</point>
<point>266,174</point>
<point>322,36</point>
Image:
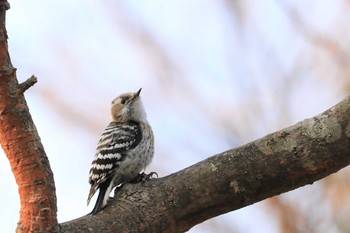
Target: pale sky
<point>202,73</point>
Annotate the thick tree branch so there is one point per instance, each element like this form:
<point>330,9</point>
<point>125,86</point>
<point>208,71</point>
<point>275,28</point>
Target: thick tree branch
<point>276,163</point>
<point>21,143</point>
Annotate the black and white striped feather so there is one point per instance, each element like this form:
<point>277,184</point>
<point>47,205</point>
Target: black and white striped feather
<point>113,147</point>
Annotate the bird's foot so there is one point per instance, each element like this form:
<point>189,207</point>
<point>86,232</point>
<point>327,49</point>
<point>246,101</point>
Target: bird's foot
<point>142,177</point>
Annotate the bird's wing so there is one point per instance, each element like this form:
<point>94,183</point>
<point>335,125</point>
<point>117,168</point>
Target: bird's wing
<point>115,141</point>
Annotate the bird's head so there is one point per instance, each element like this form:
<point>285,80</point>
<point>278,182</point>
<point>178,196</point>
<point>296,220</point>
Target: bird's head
<point>128,107</point>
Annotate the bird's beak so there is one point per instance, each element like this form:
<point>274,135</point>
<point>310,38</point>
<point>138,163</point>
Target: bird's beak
<point>138,92</point>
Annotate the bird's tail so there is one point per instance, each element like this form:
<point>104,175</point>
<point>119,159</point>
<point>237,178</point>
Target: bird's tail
<point>103,196</point>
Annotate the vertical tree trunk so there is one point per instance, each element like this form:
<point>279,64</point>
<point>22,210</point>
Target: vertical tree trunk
<point>23,148</point>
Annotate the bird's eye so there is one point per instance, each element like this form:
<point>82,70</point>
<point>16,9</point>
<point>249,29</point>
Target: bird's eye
<point>123,101</point>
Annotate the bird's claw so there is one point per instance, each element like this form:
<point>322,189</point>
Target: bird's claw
<point>142,177</point>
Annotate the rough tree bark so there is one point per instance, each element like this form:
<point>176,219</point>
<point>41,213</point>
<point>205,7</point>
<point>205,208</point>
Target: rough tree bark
<point>276,163</point>
<point>21,143</point>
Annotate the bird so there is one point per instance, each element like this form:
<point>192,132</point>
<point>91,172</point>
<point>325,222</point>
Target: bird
<point>126,147</point>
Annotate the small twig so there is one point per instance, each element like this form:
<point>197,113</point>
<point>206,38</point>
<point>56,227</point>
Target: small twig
<point>22,87</point>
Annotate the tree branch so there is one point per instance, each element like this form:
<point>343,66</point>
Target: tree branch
<point>277,163</point>
<point>23,148</point>
<point>27,84</point>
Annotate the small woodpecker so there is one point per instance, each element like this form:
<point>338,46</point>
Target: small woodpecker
<point>125,148</point>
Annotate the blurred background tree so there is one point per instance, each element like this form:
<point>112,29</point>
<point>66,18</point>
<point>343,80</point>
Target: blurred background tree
<point>215,75</point>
